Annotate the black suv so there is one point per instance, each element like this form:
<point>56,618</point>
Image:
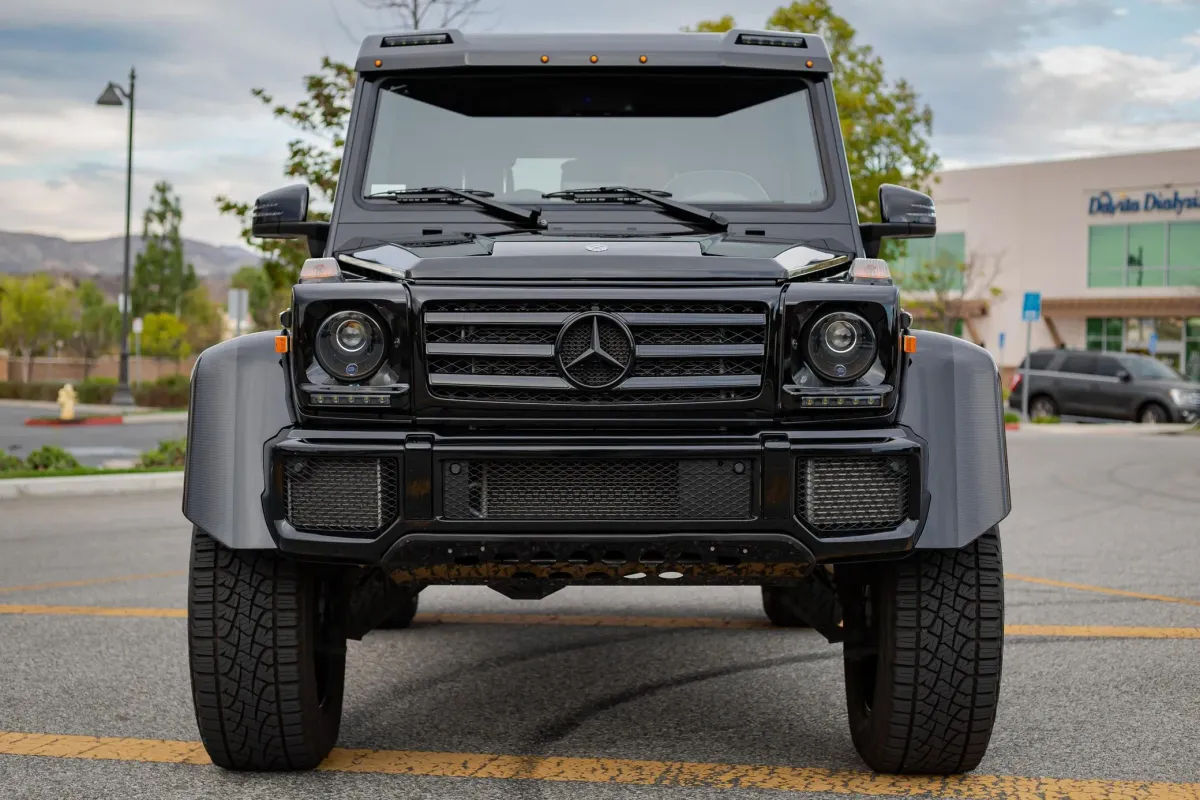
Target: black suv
<point>596,310</point>
<point>1126,386</point>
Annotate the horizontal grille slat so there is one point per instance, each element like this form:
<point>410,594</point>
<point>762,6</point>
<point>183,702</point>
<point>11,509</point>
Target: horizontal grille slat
<point>852,494</point>
<point>336,495</point>
<point>506,351</point>
<point>718,489</point>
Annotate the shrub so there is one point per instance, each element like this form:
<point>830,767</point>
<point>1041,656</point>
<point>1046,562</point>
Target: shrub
<point>1046,420</point>
<point>170,391</point>
<point>49,457</point>
<point>169,453</point>
<point>1012,416</point>
<point>10,463</point>
<point>97,391</point>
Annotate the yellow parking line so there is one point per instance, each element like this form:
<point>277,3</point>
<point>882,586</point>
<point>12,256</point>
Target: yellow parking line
<point>1083,587</point>
<point>587,621</point>
<point>34,587</point>
<point>623,771</point>
<point>92,611</point>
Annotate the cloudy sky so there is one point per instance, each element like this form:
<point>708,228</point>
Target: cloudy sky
<point>1008,80</point>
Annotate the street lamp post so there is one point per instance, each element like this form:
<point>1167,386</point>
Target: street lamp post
<point>116,95</point>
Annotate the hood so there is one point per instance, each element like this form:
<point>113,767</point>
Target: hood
<point>534,257</point>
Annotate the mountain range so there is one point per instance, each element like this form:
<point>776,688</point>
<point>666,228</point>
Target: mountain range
<point>103,259</point>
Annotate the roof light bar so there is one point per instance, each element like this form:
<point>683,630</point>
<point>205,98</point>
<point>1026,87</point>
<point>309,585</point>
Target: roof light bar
<point>771,41</point>
<point>417,40</point>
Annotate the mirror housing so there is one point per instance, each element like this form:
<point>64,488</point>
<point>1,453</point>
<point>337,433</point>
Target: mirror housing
<point>905,213</point>
<point>1123,376</point>
<point>283,214</point>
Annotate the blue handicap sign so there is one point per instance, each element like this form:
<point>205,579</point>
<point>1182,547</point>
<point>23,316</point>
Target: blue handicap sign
<point>1154,343</point>
<point>1031,310</point>
<point>1002,338</point>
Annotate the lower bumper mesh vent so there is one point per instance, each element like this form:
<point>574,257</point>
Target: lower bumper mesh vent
<point>598,490</point>
<point>852,493</point>
<point>341,495</point>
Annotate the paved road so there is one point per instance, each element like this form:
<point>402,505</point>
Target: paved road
<point>91,444</point>
<point>1081,715</point>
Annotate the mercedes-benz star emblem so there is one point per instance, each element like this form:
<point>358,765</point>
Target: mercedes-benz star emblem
<point>594,350</point>
<point>596,248</point>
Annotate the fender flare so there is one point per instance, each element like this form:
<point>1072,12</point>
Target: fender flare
<point>239,402</point>
<point>952,402</point>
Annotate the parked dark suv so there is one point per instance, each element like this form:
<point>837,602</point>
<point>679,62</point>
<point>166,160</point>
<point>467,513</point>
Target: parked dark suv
<point>1080,383</point>
<point>596,310</point>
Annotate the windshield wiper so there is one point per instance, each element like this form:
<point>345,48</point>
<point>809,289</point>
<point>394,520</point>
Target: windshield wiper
<point>620,194</point>
<point>532,218</point>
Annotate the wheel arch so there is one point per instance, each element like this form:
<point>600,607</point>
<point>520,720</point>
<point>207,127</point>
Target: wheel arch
<point>952,401</point>
<point>239,402</point>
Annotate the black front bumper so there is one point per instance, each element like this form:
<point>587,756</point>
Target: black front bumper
<point>769,539</point>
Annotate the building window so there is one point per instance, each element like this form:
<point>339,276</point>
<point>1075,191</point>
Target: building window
<point>930,264</point>
<point>1191,345</point>
<point>1106,334</point>
<point>1144,254</point>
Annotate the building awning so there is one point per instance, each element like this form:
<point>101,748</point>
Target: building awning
<point>1182,305</point>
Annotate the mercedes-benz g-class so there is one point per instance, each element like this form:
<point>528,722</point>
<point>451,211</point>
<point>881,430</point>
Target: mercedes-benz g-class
<point>596,310</point>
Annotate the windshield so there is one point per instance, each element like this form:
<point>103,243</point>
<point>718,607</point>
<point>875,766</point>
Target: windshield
<point>706,137</point>
<point>1150,369</point>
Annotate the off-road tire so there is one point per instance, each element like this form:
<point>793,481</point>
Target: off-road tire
<point>267,664</point>
<point>404,608</point>
<point>923,682</point>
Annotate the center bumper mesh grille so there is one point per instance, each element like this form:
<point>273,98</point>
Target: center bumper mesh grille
<point>852,493</point>
<point>341,495</point>
<point>598,490</point>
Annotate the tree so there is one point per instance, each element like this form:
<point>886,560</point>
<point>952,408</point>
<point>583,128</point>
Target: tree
<point>885,127</point>
<point>940,290</point>
<point>98,328</point>
<point>202,320</point>
<point>35,312</point>
<point>161,276</point>
<point>415,13</point>
<point>316,155</point>
<point>266,301</point>
<point>164,336</point>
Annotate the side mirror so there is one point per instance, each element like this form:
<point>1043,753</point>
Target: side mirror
<point>905,214</point>
<point>283,214</point>
<point>1124,377</point>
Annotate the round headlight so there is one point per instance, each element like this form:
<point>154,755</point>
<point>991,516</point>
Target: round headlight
<point>841,347</point>
<point>350,346</point>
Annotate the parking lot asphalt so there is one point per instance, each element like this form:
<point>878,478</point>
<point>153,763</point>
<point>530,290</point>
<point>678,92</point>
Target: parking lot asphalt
<point>92,445</point>
<point>641,692</point>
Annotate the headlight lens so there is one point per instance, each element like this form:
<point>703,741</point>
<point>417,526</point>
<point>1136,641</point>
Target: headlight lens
<point>350,346</point>
<point>841,347</point>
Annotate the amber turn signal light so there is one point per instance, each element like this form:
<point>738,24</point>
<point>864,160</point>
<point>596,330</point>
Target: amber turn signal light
<point>910,344</point>
<point>281,344</point>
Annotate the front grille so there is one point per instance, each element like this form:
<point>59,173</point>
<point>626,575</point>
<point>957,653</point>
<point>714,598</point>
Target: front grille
<point>661,352</point>
<point>357,495</point>
<point>717,489</point>
<point>852,493</point>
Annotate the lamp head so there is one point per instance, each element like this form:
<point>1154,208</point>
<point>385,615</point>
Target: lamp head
<point>110,97</point>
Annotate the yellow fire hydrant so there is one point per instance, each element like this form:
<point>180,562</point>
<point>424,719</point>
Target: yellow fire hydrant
<point>66,402</point>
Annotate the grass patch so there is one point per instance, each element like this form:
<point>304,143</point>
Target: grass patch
<point>76,472</point>
<point>1046,420</point>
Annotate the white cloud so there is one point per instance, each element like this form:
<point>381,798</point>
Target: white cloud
<point>1193,38</point>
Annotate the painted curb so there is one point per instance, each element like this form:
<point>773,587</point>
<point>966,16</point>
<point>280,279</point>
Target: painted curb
<point>85,485</point>
<point>163,418</point>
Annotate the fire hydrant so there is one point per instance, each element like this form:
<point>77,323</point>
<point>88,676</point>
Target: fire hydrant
<point>66,402</point>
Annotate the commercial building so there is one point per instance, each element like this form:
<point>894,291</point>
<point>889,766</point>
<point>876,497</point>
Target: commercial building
<point>1112,244</point>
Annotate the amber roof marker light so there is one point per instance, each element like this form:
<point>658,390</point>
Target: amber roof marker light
<point>808,64</point>
<point>643,59</point>
<point>545,59</point>
<point>595,59</point>
<point>378,62</point>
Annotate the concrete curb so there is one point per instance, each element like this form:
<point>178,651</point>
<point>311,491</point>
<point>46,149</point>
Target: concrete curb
<point>84,485</point>
<point>155,418</point>
<point>1113,429</point>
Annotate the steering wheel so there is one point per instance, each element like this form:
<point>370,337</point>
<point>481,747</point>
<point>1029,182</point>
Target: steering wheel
<point>717,185</point>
